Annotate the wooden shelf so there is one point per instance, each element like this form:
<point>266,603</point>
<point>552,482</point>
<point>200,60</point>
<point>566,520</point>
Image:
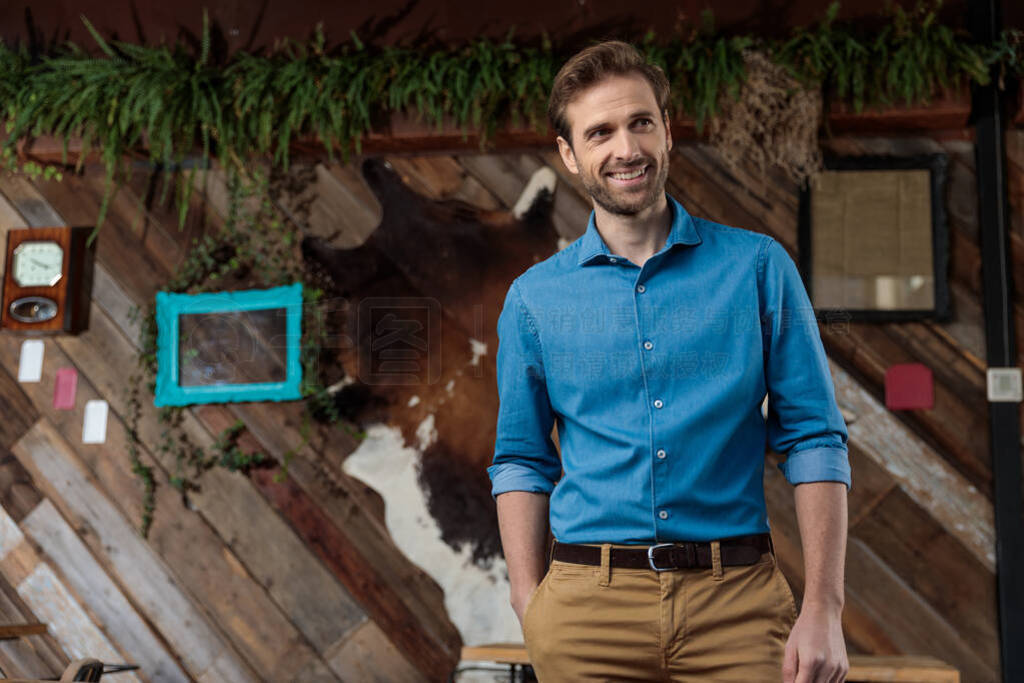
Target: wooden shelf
<point>863,668</point>
<point>947,114</point>
<point>11,631</point>
<point>951,110</point>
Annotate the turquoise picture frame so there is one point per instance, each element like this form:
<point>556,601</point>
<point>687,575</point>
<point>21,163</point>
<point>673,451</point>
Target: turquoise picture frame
<point>169,309</point>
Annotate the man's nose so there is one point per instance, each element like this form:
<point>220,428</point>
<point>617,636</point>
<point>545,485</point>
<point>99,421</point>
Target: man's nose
<point>626,145</point>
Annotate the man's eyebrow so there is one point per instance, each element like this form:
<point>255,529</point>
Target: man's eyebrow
<point>603,124</point>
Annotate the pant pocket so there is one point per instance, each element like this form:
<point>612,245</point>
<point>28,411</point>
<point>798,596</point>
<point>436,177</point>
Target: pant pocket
<point>786,592</point>
<point>530,602</point>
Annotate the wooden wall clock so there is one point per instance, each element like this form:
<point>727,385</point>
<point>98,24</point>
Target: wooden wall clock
<point>47,279</point>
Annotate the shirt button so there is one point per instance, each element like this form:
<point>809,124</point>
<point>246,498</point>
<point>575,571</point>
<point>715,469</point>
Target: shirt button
<point>658,403</point>
<point>641,289</point>
<point>612,259</point>
<point>648,345</point>
<point>663,514</point>
<point>661,453</point>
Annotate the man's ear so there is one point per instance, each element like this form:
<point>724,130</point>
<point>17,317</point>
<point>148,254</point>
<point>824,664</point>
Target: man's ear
<point>668,129</point>
<point>568,156</point>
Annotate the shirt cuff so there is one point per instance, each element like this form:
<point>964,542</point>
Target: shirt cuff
<point>817,464</point>
<point>510,476</point>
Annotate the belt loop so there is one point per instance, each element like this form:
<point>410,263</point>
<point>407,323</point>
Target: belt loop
<point>551,551</point>
<point>606,565</point>
<point>716,561</point>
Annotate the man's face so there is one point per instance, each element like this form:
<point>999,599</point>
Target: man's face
<point>618,131</point>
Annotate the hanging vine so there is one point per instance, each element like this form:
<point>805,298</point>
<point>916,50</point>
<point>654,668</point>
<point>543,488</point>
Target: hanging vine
<point>253,248</point>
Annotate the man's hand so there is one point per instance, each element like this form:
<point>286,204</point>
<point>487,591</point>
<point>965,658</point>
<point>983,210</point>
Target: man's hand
<point>520,597</point>
<point>816,651</point>
<point>523,523</point>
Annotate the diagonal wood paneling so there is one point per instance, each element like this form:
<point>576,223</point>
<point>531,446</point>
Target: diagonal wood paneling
<point>212,574</point>
<point>59,543</point>
<point>46,453</point>
<point>962,510</point>
<point>18,413</point>
<point>30,657</point>
<point>293,590</point>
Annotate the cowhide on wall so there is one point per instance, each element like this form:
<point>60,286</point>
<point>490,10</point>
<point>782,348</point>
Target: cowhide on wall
<point>442,268</point>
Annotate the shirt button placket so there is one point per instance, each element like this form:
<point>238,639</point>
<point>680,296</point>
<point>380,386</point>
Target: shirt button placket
<point>658,403</point>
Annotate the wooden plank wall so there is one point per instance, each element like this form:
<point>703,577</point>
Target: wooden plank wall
<point>231,591</point>
<point>299,580</point>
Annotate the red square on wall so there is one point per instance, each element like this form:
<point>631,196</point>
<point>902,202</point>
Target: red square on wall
<point>908,386</point>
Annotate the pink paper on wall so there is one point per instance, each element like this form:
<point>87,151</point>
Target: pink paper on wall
<point>64,388</point>
<point>908,386</point>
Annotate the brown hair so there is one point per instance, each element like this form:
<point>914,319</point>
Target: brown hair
<point>592,65</point>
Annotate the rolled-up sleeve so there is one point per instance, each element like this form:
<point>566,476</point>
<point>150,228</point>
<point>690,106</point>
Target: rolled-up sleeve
<point>803,421</point>
<point>525,458</point>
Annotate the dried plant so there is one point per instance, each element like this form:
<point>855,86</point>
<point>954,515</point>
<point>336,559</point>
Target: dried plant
<point>773,121</point>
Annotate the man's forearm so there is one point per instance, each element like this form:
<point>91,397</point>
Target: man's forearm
<point>523,523</point>
<point>822,515</point>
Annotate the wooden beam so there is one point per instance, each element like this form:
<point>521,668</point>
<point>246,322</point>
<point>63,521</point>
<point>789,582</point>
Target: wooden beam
<point>985,21</point>
<point>10,631</point>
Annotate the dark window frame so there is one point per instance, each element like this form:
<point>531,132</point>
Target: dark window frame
<point>937,165</point>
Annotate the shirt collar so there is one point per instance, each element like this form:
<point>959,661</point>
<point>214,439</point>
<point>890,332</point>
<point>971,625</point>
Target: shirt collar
<point>683,231</point>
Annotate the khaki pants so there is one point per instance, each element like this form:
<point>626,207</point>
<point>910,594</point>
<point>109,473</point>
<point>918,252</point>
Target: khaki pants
<point>589,623</point>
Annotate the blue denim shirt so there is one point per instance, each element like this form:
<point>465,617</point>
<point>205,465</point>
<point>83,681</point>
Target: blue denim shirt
<point>655,376</point>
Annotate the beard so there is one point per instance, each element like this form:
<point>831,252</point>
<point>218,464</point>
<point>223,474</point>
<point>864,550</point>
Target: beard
<point>628,201</point>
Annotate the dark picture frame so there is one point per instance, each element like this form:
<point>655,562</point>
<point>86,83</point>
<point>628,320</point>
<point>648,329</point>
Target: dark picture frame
<point>936,165</point>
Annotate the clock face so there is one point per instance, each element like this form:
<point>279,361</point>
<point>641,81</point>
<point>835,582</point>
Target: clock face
<point>37,263</point>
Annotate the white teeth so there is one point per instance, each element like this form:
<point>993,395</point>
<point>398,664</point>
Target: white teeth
<point>628,176</point>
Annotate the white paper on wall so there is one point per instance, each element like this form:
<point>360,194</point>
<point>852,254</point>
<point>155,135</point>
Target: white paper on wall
<point>30,365</point>
<point>94,424</point>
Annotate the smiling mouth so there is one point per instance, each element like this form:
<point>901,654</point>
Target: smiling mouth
<point>636,175</point>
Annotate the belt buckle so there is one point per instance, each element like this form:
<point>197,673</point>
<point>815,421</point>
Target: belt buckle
<point>650,556</point>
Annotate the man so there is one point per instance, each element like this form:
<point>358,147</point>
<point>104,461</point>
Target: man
<point>652,341</point>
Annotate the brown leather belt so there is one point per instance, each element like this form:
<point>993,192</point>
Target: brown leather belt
<point>739,550</point>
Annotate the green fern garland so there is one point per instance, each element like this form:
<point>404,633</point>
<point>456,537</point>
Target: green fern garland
<point>254,247</point>
<point>908,60</point>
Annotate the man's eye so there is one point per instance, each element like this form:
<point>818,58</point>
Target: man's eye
<point>599,131</point>
<point>645,121</point>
